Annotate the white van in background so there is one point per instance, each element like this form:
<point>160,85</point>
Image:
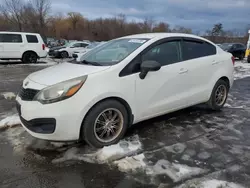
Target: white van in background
<point>28,47</point>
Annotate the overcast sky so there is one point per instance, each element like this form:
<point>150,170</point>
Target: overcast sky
<point>199,15</point>
<point>195,14</point>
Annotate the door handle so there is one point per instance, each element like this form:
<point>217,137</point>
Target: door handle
<point>182,71</point>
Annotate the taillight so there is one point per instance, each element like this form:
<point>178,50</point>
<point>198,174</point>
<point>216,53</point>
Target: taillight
<point>43,46</point>
<point>233,59</point>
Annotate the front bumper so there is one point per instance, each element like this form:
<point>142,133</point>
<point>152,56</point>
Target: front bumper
<point>55,122</point>
<point>41,125</point>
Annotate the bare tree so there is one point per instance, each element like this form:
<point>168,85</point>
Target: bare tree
<point>161,27</point>
<point>147,24</point>
<point>180,29</point>
<point>12,11</point>
<point>41,10</point>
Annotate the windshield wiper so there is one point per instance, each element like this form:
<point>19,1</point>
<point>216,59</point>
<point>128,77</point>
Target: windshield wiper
<point>91,63</point>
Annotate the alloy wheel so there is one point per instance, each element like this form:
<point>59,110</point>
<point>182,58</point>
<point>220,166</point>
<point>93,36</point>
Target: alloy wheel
<point>220,95</point>
<point>108,125</point>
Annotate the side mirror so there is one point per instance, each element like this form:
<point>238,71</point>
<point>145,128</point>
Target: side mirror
<point>149,66</point>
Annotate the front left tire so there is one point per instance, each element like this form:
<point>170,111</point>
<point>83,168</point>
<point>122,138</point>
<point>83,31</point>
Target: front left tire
<point>105,124</point>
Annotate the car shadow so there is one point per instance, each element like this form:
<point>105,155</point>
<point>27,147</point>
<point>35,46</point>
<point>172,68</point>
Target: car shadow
<point>180,115</point>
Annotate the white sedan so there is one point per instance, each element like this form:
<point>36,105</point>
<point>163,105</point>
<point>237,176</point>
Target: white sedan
<point>68,49</point>
<point>125,81</point>
<point>78,54</point>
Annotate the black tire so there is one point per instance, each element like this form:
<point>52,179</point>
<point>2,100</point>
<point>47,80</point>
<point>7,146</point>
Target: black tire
<point>64,54</point>
<point>29,57</point>
<point>212,101</point>
<point>241,57</point>
<point>88,131</point>
<point>248,59</point>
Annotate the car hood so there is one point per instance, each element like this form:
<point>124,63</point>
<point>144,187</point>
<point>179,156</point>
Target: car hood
<point>57,48</point>
<point>63,72</point>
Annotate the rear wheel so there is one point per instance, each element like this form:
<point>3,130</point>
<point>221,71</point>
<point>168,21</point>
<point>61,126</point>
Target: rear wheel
<point>64,54</point>
<point>241,57</point>
<point>29,57</point>
<point>219,95</point>
<point>105,124</point>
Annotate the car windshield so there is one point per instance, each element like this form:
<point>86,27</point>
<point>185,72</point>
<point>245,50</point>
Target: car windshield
<point>226,46</point>
<point>114,51</point>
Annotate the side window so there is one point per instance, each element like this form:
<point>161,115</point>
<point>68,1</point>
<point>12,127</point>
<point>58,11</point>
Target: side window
<point>32,39</point>
<point>165,53</point>
<point>11,38</point>
<point>84,45</point>
<point>240,46</point>
<point>196,49</point>
<point>76,45</point>
<point>235,46</point>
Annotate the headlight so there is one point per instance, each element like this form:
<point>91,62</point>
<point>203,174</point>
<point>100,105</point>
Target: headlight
<point>60,91</point>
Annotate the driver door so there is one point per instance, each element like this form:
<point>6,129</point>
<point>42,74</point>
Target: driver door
<point>161,91</point>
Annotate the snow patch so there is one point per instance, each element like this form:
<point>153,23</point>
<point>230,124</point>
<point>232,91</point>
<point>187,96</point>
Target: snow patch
<point>124,148</point>
<point>10,121</point>
<point>219,184</point>
<point>210,184</point>
<point>16,138</point>
<point>175,171</point>
<point>8,95</point>
<point>176,148</point>
<point>242,70</point>
<point>131,163</point>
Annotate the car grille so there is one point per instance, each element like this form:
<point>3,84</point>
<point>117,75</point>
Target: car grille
<point>27,94</point>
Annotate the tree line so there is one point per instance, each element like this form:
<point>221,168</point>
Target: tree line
<point>36,16</point>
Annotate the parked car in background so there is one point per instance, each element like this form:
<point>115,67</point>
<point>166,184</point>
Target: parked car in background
<point>28,47</point>
<point>67,50</point>
<point>100,98</point>
<point>78,54</point>
<point>87,41</point>
<point>237,49</point>
<point>218,45</point>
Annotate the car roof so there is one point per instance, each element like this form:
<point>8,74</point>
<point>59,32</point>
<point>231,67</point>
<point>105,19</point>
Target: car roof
<point>12,32</point>
<point>163,35</point>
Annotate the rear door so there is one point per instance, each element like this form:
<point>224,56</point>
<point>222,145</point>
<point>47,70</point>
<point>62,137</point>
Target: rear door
<point>199,59</point>
<point>33,44</point>
<point>13,45</point>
